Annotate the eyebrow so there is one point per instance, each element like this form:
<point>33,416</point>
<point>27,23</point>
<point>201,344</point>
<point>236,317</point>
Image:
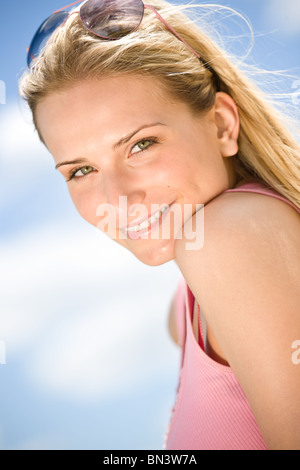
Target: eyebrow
<point>71,162</point>
<point>118,144</point>
<point>127,138</point>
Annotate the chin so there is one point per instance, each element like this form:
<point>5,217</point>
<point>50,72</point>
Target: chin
<point>155,256</point>
<point>156,262</point>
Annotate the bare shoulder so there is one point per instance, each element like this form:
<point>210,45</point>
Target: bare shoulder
<point>244,233</point>
<point>246,280</point>
<point>251,207</point>
<point>236,222</point>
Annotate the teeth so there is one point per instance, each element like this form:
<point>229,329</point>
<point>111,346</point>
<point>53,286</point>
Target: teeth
<point>148,222</point>
<point>144,224</point>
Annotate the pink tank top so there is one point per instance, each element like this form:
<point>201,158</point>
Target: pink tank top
<point>211,410</point>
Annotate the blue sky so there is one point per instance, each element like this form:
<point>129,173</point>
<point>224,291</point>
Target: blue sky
<point>89,363</point>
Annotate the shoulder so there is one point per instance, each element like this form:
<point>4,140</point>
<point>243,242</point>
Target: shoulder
<point>235,223</point>
<point>247,236</point>
<point>246,280</point>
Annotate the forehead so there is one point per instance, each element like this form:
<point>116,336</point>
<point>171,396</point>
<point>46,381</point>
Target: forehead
<point>107,108</point>
<point>107,94</point>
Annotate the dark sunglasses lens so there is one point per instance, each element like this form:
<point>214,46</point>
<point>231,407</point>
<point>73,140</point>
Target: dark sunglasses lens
<point>43,34</point>
<point>112,19</point>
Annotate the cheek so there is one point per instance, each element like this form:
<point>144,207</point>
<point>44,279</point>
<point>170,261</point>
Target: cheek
<point>171,167</point>
<point>85,204</point>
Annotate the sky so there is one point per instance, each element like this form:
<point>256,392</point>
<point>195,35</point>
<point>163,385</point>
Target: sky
<point>86,361</point>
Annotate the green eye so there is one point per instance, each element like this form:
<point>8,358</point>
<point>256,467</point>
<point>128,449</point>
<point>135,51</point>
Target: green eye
<point>85,170</point>
<point>142,145</point>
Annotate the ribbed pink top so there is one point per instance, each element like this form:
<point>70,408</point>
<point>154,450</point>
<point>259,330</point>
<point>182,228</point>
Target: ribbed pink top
<point>211,410</point>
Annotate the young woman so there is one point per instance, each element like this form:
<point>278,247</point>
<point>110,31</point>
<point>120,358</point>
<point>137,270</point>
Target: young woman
<point>141,110</point>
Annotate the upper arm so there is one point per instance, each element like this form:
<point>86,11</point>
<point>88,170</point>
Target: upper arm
<point>172,322</point>
<point>246,279</point>
<point>176,319</point>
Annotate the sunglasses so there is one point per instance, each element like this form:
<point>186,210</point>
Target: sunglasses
<point>107,19</point>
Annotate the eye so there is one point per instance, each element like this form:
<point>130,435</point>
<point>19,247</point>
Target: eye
<point>80,172</point>
<point>142,145</point>
<point>85,170</point>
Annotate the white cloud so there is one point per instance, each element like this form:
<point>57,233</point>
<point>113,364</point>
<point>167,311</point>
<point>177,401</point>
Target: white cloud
<point>25,162</point>
<point>283,15</point>
<point>19,143</point>
<point>89,317</point>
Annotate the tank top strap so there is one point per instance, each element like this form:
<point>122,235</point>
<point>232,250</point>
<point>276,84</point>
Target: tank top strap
<point>261,188</point>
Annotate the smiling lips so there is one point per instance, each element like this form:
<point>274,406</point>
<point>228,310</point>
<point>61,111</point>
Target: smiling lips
<point>145,225</point>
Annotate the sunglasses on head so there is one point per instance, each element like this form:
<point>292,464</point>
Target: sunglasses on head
<point>107,19</point>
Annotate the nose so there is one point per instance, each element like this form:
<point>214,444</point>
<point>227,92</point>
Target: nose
<point>122,193</point>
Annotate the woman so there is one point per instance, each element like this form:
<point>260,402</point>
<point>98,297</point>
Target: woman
<point>152,126</point>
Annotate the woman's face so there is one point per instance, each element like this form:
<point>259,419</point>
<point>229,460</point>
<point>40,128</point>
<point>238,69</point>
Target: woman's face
<point>132,154</point>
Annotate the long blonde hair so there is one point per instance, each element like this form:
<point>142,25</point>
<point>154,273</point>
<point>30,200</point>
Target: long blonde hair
<point>268,151</point>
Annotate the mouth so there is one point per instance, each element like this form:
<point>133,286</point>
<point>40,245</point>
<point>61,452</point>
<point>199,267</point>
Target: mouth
<point>137,231</point>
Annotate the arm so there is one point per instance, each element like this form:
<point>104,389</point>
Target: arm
<point>172,323</point>
<point>176,319</point>
<point>246,278</point>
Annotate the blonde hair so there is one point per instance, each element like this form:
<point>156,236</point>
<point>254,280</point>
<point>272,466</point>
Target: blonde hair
<point>268,151</point>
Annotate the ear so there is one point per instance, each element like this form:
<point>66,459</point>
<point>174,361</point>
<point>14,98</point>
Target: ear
<point>227,120</point>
